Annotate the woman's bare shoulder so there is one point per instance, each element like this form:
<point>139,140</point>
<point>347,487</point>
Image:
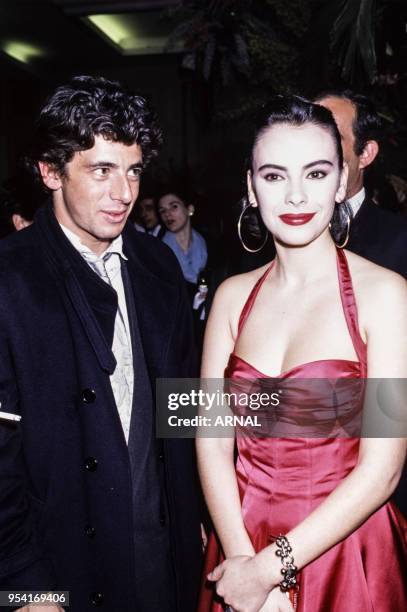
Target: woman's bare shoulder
<point>376,287</point>
<point>231,297</point>
<point>239,285</point>
<point>366,272</point>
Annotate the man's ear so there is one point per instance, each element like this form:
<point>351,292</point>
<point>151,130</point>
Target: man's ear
<point>250,190</point>
<point>191,209</point>
<point>50,176</point>
<point>369,153</point>
<point>19,222</point>
<point>343,182</point>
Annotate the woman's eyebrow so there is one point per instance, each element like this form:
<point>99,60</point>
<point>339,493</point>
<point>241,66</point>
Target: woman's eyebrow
<point>284,169</point>
<point>273,167</point>
<point>317,163</point>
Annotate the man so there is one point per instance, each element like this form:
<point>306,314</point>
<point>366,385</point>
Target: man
<point>92,312</point>
<point>374,233</point>
<point>147,214</point>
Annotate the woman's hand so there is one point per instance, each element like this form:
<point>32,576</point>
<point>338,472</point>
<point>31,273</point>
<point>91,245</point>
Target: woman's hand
<point>277,602</point>
<point>238,582</point>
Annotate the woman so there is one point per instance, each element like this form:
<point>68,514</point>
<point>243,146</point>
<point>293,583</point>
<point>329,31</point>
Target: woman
<point>187,244</point>
<point>316,312</point>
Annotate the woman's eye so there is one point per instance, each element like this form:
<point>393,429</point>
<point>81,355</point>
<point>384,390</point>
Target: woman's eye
<point>317,174</point>
<point>273,177</point>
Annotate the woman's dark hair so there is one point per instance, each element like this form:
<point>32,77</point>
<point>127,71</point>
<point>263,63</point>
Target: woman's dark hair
<point>175,190</point>
<point>296,111</point>
<point>89,107</point>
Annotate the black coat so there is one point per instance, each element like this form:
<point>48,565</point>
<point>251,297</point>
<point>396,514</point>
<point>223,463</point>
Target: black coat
<point>66,485</point>
<point>380,236</point>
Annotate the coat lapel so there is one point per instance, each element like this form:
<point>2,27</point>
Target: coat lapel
<point>154,309</point>
<point>363,228</point>
<point>94,302</point>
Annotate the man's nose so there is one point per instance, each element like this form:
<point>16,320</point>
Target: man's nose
<point>121,190</point>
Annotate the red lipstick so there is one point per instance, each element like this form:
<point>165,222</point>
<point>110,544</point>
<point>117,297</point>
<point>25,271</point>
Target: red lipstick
<point>296,219</point>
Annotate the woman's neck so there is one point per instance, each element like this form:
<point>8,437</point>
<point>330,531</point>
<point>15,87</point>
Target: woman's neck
<point>300,266</point>
<point>184,237</point>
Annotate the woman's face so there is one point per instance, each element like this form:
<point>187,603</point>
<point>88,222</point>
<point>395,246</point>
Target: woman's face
<point>295,180</point>
<point>173,212</point>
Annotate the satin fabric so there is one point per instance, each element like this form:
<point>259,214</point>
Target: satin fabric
<point>282,480</point>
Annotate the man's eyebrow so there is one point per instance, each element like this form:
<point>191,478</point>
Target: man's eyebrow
<point>284,169</point>
<point>108,164</point>
<point>101,163</point>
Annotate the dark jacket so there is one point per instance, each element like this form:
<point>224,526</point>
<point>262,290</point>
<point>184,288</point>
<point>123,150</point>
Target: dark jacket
<point>66,473</point>
<point>380,236</point>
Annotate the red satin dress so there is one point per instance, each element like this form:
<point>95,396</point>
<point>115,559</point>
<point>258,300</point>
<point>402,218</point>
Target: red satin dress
<point>282,480</point>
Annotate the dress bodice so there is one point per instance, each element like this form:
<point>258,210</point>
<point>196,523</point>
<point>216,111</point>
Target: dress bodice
<point>314,369</point>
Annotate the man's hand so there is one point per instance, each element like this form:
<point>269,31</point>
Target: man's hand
<point>204,538</point>
<point>238,582</point>
<point>37,608</point>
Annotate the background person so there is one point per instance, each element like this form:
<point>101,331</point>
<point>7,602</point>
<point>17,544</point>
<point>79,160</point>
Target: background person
<point>374,233</point>
<point>19,201</point>
<point>148,220</point>
<point>188,245</point>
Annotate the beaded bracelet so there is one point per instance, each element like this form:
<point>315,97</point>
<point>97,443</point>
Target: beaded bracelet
<point>289,570</point>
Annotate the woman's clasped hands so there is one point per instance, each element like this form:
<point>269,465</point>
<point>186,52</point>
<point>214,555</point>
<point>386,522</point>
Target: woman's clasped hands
<point>243,584</point>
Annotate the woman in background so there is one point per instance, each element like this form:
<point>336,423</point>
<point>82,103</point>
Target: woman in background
<point>188,245</point>
<point>317,506</point>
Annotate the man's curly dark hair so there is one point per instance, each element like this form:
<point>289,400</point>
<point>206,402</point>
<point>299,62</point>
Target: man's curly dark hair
<point>88,107</point>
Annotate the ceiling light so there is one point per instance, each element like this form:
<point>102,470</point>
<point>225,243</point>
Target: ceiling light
<point>132,33</point>
<point>22,51</point>
<point>112,26</point>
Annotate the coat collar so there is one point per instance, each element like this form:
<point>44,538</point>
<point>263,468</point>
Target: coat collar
<point>364,227</point>
<point>95,302</point>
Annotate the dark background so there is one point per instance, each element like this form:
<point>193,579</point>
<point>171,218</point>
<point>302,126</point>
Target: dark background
<point>231,55</point>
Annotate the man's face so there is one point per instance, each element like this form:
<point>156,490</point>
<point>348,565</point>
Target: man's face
<point>147,213</point>
<point>344,114</point>
<point>97,192</point>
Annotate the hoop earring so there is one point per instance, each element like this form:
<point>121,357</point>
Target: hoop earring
<point>345,242</point>
<point>239,233</point>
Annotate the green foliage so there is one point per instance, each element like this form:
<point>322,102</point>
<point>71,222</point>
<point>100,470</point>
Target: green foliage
<point>246,50</point>
<point>292,14</point>
<point>353,38</point>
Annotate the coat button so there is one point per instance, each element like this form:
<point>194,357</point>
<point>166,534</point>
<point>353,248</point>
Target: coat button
<point>162,519</point>
<point>91,464</point>
<point>161,456</point>
<point>90,531</point>
<point>88,396</point>
<point>97,599</point>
